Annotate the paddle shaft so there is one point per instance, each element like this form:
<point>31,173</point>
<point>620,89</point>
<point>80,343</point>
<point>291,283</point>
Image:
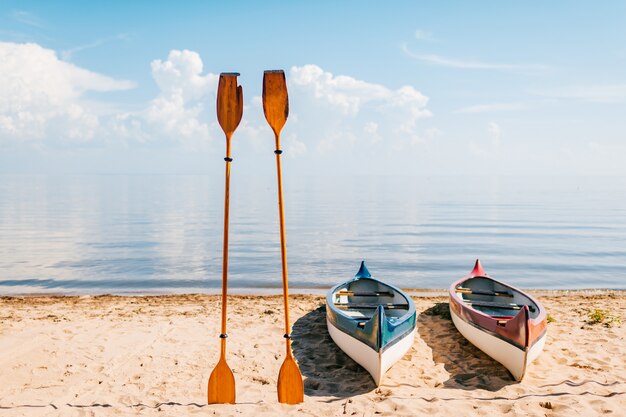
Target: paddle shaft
<point>225,251</point>
<point>283,242</point>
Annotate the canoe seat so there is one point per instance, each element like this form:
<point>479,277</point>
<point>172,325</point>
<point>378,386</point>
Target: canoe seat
<point>511,306</point>
<point>364,306</point>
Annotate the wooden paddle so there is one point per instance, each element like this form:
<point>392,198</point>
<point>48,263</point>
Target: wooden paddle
<point>276,109</point>
<point>229,111</point>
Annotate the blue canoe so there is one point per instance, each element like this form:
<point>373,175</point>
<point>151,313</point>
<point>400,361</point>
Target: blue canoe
<point>371,321</point>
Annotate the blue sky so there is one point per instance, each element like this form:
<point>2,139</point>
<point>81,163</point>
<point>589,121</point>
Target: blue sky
<point>400,87</point>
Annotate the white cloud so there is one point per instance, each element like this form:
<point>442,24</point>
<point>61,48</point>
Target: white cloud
<point>341,92</point>
<point>593,158</point>
<point>489,149</point>
<point>342,111</point>
<point>43,102</point>
<point>42,96</point>
<point>293,146</point>
<point>370,131</point>
<point>371,127</point>
<point>181,74</point>
<point>495,132</point>
<point>27,18</point>
<point>433,132</point>
<point>472,64</point>
<point>67,54</point>
<point>422,35</point>
<point>495,107</point>
<point>609,93</point>
<point>177,113</point>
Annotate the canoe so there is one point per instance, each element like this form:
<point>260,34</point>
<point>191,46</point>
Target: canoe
<point>371,321</point>
<point>502,321</point>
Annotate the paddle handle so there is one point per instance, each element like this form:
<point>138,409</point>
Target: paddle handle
<point>283,239</point>
<point>225,250</point>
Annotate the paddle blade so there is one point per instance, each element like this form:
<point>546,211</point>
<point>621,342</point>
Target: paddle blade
<point>275,99</point>
<point>290,385</point>
<point>221,384</point>
<point>229,102</point>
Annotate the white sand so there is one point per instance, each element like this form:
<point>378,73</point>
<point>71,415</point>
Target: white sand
<point>119,356</point>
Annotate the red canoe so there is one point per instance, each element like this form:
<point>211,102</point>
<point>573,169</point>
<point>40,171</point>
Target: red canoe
<point>502,321</point>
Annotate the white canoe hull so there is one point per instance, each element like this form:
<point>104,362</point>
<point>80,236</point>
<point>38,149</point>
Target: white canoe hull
<point>376,363</point>
<point>513,358</point>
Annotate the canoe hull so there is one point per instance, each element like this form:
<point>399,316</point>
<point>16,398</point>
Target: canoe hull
<point>377,363</point>
<point>502,321</point>
<point>512,357</point>
<point>371,321</point>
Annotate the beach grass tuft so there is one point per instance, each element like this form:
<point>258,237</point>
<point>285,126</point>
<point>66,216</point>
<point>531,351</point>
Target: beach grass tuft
<point>603,317</point>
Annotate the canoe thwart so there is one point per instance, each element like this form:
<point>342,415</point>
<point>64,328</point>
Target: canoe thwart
<point>510,306</point>
<point>366,293</point>
<point>364,306</point>
<point>482,292</point>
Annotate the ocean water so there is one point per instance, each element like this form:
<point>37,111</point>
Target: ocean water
<point>163,234</point>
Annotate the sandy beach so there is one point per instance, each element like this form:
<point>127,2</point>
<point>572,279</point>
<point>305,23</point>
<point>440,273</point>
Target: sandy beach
<point>118,356</point>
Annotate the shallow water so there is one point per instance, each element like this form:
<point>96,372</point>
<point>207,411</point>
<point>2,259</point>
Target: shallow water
<point>147,234</point>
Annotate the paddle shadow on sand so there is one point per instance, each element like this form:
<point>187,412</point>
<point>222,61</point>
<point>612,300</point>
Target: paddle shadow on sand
<point>468,366</point>
<point>328,370</point>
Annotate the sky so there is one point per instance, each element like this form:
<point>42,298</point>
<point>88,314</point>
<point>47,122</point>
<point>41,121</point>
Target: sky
<point>405,87</point>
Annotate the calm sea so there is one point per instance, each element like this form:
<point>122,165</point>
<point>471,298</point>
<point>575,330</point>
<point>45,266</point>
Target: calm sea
<point>163,234</point>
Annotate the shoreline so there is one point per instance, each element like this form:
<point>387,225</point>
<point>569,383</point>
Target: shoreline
<point>273,291</point>
<point>118,355</point>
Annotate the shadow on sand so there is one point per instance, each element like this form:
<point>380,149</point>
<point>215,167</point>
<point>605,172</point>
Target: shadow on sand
<point>328,371</point>
<point>468,366</point>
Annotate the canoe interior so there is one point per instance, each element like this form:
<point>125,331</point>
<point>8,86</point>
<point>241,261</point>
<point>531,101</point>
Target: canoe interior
<point>508,296</point>
<point>370,311</point>
<point>370,293</point>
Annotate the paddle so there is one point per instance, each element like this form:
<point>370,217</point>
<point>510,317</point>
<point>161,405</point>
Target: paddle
<point>276,109</point>
<point>229,111</point>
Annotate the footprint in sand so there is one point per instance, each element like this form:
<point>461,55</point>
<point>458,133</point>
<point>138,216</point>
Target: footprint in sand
<point>561,361</point>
